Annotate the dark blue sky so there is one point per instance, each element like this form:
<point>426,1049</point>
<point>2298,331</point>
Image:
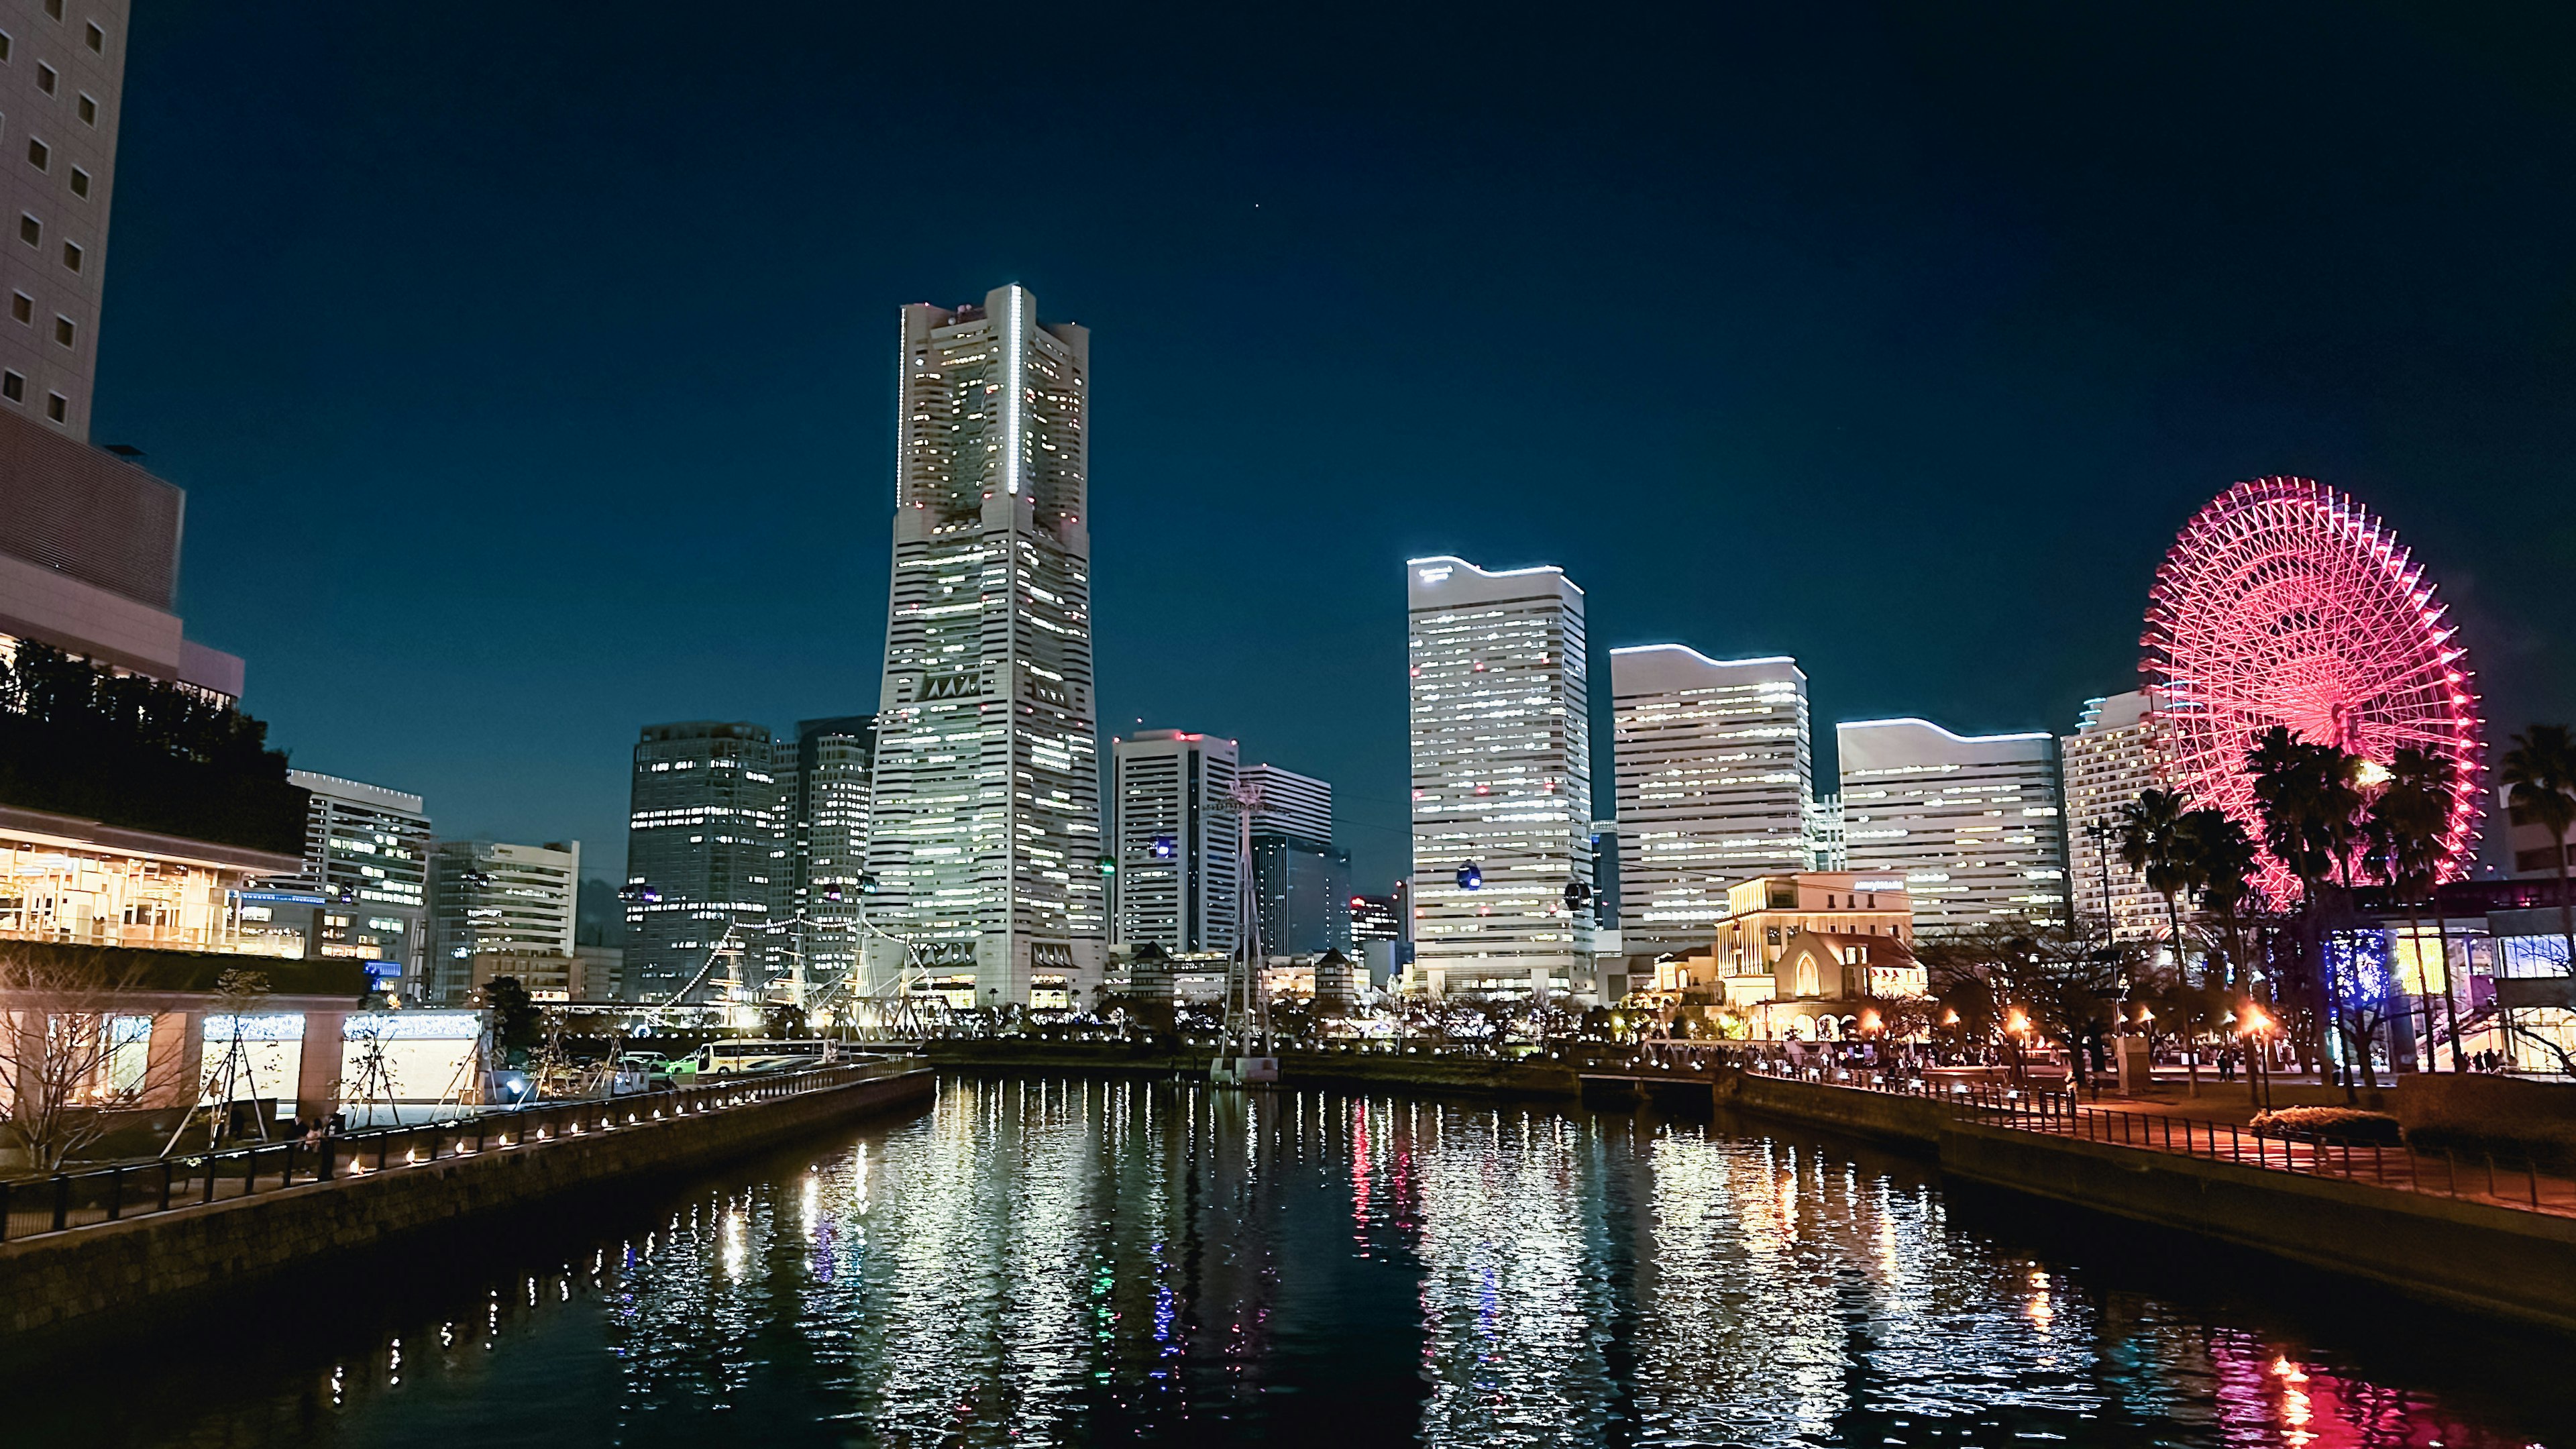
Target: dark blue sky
<point>530,367</point>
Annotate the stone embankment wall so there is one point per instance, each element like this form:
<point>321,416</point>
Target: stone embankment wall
<point>2472,1256</point>
<point>66,1280</point>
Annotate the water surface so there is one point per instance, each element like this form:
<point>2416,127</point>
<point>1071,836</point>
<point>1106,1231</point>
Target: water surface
<point>1088,1262</point>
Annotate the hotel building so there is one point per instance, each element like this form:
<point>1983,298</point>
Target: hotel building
<point>1715,779</point>
<point>986,831</point>
<point>2119,750</point>
<point>1502,779</point>
<point>1968,823</point>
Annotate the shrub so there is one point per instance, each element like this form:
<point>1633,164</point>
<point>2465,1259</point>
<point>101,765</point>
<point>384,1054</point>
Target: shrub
<point>2329,1124</point>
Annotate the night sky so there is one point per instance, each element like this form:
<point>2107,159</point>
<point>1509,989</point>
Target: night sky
<point>530,367</point>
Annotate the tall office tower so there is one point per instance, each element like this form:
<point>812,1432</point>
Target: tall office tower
<point>1301,892</point>
<point>826,784</point>
<point>703,842</point>
<point>1178,883</point>
<point>986,833</point>
<point>1301,881</point>
<point>1716,782</point>
<point>1378,918</point>
<point>1968,823</point>
<point>1502,778</point>
<point>366,853</point>
<point>1291,804</point>
<point>2118,751</point>
<point>491,902</point>
<point>62,74</point>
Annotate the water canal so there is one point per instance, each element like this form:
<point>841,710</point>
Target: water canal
<point>1088,1262</point>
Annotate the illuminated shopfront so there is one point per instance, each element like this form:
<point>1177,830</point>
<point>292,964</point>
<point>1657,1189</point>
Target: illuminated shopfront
<point>82,883</point>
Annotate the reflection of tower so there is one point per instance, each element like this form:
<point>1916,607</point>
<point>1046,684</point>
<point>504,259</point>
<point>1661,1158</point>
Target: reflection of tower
<point>1247,998</point>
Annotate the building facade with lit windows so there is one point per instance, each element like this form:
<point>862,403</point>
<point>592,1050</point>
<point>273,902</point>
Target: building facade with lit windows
<point>1301,880</point>
<point>2119,751</point>
<point>987,800</point>
<point>825,783</point>
<point>706,849</point>
<point>1502,779</point>
<point>1178,883</point>
<point>1764,914</point>
<point>366,854</point>
<point>1969,824</point>
<point>1715,780</point>
<point>492,898</point>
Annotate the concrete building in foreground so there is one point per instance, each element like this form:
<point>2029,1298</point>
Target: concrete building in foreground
<point>2119,751</point>
<point>986,836</point>
<point>1502,778</point>
<point>1967,825</point>
<point>1715,772</point>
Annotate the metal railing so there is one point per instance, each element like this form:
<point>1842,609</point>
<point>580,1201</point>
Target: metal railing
<point>72,1200</point>
<point>2496,1179</point>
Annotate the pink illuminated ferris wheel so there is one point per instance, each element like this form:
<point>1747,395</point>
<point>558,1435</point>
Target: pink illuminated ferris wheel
<point>2284,603</point>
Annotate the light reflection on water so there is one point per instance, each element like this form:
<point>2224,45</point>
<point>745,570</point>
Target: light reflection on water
<point>1073,1262</point>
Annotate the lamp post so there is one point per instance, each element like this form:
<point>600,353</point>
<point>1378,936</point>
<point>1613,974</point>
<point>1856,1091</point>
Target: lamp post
<point>2251,1025</point>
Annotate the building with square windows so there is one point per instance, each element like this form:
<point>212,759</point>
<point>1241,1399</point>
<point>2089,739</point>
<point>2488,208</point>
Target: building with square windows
<point>985,842</point>
<point>1502,779</point>
<point>1968,824</point>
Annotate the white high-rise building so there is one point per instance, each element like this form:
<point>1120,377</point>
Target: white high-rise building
<point>1502,778</point>
<point>366,851</point>
<point>985,832</point>
<point>1291,804</point>
<point>1179,882</point>
<point>1715,772</point>
<point>495,900</point>
<point>1968,825</point>
<point>2118,751</point>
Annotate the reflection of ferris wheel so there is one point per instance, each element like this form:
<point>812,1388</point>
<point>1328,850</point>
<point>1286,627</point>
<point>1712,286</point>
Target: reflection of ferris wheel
<point>2284,603</point>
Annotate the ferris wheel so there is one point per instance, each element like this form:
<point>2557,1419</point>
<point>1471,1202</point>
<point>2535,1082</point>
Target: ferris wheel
<point>2284,602</point>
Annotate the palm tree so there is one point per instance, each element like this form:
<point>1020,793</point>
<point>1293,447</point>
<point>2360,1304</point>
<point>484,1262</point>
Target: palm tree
<point>2540,778</point>
<point>2310,799</point>
<point>2152,843</point>
<point>2407,825</point>
<point>2223,860</point>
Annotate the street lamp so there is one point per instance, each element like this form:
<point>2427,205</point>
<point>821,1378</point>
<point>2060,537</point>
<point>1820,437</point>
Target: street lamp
<point>2252,1024</point>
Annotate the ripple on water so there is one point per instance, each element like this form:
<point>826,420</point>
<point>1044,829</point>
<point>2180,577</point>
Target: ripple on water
<point>1076,1262</point>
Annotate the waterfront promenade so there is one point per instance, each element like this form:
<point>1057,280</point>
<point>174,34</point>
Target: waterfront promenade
<point>87,1248</point>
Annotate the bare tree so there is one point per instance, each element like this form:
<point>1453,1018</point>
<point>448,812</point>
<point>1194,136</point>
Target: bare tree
<point>71,1051</point>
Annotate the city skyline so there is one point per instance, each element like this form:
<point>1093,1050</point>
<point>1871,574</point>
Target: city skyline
<point>2048,463</point>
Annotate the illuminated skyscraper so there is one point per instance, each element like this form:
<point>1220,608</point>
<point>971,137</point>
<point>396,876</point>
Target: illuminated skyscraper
<point>2118,751</point>
<point>1179,886</point>
<point>985,827</point>
<point>1502,778</point>
<point>1968,825</point>
<point>825,783</point>
<point>1715,785</point>
<point>706,849</point>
